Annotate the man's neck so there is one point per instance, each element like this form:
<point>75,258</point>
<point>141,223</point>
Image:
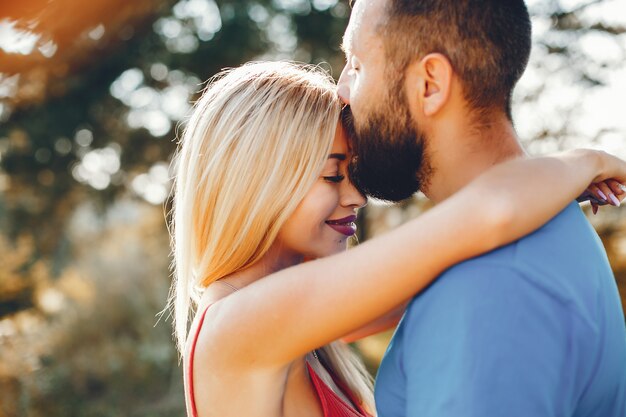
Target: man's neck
<point>458,154</point>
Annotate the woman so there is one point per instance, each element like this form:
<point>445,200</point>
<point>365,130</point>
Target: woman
<point>260,187</point>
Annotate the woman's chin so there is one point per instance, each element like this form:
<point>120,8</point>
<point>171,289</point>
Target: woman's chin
<point>338,248</point>
<point>332,248</point>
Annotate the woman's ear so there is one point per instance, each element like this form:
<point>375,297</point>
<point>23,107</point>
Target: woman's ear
<point>433,78</point>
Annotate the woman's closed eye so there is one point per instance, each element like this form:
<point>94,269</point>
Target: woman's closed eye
<point>335,179</point>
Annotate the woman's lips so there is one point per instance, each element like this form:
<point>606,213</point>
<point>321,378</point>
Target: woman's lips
<point>344,226</point>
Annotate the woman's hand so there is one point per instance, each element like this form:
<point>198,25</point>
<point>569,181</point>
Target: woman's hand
<point>607,187</point>
<point>603,193</point>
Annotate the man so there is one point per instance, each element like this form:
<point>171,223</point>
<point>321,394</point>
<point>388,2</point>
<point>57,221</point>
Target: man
<point>532,329</point>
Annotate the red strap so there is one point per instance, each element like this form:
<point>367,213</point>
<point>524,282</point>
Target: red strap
<point>192,402</point>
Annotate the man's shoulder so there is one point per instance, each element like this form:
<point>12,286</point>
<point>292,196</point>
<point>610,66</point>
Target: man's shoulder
<point>487,275</point>
<point>562,253</point>
<point>565,244</point>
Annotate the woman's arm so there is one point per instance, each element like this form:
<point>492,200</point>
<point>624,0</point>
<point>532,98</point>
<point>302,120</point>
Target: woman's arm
<point>280,317</point>
<point>380,324</point>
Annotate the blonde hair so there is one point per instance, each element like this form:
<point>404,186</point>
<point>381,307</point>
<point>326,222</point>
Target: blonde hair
<point>254,145</point>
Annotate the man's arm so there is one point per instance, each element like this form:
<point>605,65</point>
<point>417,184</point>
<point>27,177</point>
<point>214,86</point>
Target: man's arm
<point>486,342</point>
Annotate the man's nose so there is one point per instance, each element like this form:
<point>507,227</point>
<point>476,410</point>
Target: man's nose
<point>343,86</point>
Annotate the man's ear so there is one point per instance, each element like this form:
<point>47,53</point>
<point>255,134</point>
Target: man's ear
<point>433,78</point>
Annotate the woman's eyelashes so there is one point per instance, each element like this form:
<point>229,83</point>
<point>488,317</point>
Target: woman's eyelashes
<point>336,179</point>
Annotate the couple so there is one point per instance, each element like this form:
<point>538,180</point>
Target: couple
<point>517,311</point>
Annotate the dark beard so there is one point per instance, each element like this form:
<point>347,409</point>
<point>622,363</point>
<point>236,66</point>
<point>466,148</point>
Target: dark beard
<point>389,153</point>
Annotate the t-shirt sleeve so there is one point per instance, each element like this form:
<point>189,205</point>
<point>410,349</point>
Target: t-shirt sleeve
<point>485,342</point>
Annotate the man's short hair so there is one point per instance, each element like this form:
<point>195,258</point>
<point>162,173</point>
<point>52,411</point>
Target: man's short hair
<point>487,42</point>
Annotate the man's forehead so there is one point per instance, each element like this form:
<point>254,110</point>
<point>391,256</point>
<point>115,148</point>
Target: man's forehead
<point>364,20</point>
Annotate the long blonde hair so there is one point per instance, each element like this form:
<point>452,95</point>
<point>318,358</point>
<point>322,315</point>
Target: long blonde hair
<point>254,145</point>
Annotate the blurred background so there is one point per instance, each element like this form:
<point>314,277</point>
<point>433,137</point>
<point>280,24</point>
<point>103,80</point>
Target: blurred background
<point>91,94</point>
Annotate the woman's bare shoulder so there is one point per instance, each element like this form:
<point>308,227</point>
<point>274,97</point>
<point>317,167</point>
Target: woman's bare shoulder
<point>221,388</point>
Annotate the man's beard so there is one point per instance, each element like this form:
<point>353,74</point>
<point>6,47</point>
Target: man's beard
<point>389,160</point>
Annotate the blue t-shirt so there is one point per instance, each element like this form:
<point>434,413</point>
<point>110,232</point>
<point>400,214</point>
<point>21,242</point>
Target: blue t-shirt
<point>532,329</point>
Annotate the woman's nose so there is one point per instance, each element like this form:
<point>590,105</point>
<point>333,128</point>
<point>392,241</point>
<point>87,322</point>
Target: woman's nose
<point>352,197</point>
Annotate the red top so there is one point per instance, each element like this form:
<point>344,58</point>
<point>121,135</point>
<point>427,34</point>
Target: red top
<point>332,404</point>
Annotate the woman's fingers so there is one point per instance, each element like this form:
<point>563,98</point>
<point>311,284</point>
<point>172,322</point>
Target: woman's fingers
<point>597,195</point>
<point>618,189</point>
<point>608,192</point>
